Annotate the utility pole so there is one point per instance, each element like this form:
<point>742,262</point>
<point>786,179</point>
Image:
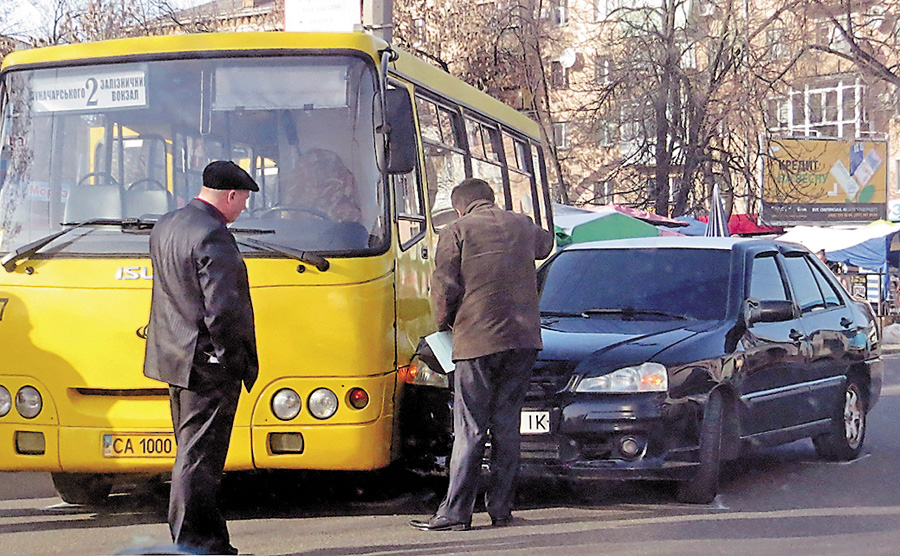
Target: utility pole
<point>378,18</point>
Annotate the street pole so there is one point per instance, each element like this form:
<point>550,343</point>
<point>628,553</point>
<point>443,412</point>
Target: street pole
<point>378,18</point>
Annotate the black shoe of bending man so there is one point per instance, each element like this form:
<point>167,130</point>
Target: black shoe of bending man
<point>440,523</point>
<point>505,521</point>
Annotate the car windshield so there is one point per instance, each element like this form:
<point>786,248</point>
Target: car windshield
<point>638,283</point>
<point>130,140</point>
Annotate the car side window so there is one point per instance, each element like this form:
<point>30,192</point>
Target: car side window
<point>828,289</point>
<point>765,279</point>
<point>803,284</point>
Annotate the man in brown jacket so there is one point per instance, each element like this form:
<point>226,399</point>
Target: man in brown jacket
<point>485,290</point>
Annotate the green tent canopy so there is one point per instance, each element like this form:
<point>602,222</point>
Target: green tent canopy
<point>575,225</point>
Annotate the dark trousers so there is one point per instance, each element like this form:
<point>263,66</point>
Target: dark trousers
<point>203,416</point>
<point>489,393</point>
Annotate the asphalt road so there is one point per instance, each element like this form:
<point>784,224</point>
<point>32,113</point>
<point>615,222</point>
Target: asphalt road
<point>773,502</point>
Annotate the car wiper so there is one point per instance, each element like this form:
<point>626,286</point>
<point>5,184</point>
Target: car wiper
<point>630,311</point>
<point>560,314</point>
<point>25,251</point>
<point>318,261</point>
<point>250,230</point>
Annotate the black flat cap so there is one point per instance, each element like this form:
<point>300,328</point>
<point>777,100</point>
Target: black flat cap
<point>225,174</point>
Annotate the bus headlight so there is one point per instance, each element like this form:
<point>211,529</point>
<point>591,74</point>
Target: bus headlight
<point>28,402</point>
<point>286,404</point>
<point>5,401</point>
<point>322,403</point>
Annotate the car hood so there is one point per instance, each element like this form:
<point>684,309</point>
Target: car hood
<point>617,341</point>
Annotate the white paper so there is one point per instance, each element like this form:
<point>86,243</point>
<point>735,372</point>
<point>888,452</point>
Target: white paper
<point>441,344</point>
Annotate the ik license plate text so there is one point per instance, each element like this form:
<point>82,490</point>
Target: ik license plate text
<point>535,422</point>
<point>138,445</point>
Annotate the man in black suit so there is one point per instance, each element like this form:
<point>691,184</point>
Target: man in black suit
<point>201,341</point>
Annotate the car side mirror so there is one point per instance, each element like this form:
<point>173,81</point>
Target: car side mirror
<point>401,150</point>
<point>767,311</point>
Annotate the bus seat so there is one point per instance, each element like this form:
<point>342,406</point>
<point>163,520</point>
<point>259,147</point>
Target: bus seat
<point>93,201</point>
<point>154,202</point>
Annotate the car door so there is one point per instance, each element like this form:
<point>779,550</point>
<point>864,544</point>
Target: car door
<point>828,323</point>
<point>775,354</point>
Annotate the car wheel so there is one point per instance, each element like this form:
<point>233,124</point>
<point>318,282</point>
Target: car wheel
<point>82,488</point>
<point>845,441</point>
<point>704,485</point>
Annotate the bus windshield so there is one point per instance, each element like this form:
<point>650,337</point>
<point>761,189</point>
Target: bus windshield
<point>121,141</point>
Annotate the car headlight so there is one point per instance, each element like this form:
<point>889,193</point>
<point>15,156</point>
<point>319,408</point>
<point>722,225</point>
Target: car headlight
<point>5,401</point>
<point>420,374</point>
<point>28,402</point>
<point>286,404</point>
<point>646,377</point>
<point>322,403</point>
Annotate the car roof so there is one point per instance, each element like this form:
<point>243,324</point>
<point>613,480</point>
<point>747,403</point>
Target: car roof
<point>676,242</point>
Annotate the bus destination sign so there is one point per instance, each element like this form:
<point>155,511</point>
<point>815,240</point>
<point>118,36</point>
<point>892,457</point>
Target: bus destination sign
<point>88,90</point>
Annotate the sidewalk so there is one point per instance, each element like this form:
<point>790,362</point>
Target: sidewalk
<point>890,339</point>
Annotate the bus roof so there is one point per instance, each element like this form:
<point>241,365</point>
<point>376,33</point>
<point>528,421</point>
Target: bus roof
<point>407,66</point>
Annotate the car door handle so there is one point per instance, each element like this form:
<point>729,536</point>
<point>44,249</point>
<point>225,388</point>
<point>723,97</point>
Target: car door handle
<point>845,322</point>
<point>795,335</point>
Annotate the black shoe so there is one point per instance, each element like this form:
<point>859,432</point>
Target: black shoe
<point>440,523</point>
<point>502,521</point>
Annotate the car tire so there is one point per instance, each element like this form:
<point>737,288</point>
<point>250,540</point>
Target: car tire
<point>845,441</point>
<point>90,489</point>
<point>704,485</point>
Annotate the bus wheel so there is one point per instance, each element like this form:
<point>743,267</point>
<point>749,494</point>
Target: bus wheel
<point>82,488</point>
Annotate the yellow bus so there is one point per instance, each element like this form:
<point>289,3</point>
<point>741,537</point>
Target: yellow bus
<point>355,147</point>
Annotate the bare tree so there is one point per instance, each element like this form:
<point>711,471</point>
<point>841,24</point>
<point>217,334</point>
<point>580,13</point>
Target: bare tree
<point>496,47</point>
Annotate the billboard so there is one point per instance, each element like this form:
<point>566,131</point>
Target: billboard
<point>823,181</point>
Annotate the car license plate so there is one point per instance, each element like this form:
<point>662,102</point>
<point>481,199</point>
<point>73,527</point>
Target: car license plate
<point>138,445</point>
<point>535,422</point>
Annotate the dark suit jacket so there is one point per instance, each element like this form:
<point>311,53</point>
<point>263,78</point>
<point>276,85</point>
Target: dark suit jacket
<point>201,304</point>
<point>485,281</point>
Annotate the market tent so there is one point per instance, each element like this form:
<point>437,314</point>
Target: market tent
<point>870,247</point>
<point>649,217</point>
<point>694,227</point>
<point>740,224</point>
<point>575,225</point>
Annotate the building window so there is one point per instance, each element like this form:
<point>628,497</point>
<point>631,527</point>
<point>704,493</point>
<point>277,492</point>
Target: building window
<point>834,109</point>
<point>776,43</point>
<point>561,135</point>
<point>606,134</point>
<point>601,70</point>
<point>601,10</point>
<point>559,12</point>
<point>559,75</point>
<point>604,192</point>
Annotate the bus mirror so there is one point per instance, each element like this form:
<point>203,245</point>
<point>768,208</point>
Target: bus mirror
<point>401,136</point>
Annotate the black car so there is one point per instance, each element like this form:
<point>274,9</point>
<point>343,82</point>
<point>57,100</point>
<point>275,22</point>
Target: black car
<point>664,356</point>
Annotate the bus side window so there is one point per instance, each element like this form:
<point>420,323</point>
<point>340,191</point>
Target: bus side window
<point>410,208</point>
<point>484,148</point>
<point>521,184</point>
<point>539,174</point>
<point>445,164</point>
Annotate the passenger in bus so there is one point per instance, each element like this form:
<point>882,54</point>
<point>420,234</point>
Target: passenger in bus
<point>485,291</point>
<point>320,185</point>
<point>202,342</point>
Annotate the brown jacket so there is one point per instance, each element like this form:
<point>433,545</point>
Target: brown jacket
<point>485,287</point>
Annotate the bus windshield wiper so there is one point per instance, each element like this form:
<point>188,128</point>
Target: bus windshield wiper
<point>25,251</point>
<point>318,261</point>
<point>629,312</point>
